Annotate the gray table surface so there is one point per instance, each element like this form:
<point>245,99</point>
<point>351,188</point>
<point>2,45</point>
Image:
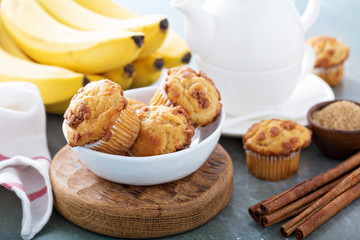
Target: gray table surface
<point>337,18</point>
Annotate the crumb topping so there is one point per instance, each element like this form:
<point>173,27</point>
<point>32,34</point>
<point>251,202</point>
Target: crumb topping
<point>75,119</point>
<point>200,96</point>
<point>274,131</point>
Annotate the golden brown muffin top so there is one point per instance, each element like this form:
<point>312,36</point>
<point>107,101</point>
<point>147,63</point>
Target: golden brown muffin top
<point>93,110</point>
<point>329,51</point>
<point>195,92</point>
<point>135,104</point>
<point>276,137</point>
<point>163,130</point>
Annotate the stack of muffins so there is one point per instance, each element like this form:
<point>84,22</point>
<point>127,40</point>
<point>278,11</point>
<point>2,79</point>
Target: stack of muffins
<point>99,117</point>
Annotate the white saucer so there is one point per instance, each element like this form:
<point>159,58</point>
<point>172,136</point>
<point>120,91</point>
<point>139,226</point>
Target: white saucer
<point>310,91</point>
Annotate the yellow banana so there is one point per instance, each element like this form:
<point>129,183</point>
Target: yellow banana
<point>55,84</point>
<point>148,70</point>
<point>174,50</point>
<point>60,107</point>
<point>8,43</point>
<point>94,77</point>
<point>123,76</point>
<point>49,42</point>
<point>70,13</point>
<point>107,8</point>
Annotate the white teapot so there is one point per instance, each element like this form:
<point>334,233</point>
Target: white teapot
<point>247,45</point>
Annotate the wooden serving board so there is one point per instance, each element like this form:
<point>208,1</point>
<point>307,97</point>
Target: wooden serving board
<point>127,211</point>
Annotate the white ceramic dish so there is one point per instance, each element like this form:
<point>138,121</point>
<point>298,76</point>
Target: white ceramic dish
<point>310,91</point>
<point>155,169</point>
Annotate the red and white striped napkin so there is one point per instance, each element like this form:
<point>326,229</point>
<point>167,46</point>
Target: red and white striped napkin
<point>24,154</point>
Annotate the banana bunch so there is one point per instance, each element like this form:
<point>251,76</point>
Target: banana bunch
<point>174,50</point>
<point>47,41</point>
<point>60,45</point>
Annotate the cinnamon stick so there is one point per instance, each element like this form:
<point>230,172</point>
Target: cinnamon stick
<point>300,190</point>
<point>258,214</point>
<point>255,211</point>
<point>297,206</point>
<point>349,181</point>
<point>268,220</point>
<point>327,212</point>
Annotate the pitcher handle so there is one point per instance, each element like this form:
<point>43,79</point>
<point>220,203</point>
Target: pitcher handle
<point>308,61</point>
<point>311,13</point>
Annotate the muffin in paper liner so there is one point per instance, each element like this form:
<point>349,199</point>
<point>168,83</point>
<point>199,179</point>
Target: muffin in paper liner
<point>194,91</point>
<point>331,55</point>
<point>100,118</point>
<point>135,104</point>
<point>160,97</point>
<point>331,75</point>
<point>124,133</point>
<point>163,130</point>
<point>272,168</point>
<point>273,148</point>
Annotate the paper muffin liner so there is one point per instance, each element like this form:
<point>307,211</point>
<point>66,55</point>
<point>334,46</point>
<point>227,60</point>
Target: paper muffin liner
<point>273,168</point>
<point>331,75</point>
<point>160,97</point>
<point>123,134</point>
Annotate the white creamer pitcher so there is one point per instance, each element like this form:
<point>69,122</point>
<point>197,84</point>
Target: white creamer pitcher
<point>252,49</point>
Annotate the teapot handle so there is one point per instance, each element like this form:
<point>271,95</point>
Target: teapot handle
<point>308,61</point>
<point>311,13</point>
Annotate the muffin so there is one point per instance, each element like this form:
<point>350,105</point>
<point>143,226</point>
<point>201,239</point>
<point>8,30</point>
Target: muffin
<point>163,130</point>
<point>195,92</point>
<point>100,118</point>
<point>135,104</point>
<point>273,148</point>
<point>330,57</point>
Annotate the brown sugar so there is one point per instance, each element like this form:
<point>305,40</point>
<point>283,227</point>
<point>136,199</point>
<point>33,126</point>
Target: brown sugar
<point>341,115</point>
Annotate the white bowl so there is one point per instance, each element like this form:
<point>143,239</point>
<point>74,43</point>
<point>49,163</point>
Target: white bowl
<point>155,169</point>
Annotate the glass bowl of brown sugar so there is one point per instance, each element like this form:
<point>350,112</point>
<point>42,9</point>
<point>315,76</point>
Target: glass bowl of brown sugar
<point>336,127</point>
